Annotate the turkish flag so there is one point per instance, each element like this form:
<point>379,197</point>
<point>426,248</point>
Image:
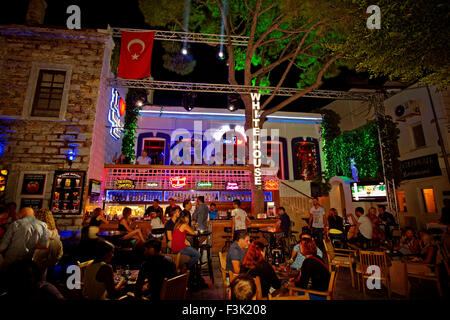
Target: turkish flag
<point>135,54</point>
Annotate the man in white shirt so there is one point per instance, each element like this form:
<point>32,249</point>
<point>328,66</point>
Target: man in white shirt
<point>317,222</point>
<point>365,230</point>
<point>143,159</point>
<point>240,218</point>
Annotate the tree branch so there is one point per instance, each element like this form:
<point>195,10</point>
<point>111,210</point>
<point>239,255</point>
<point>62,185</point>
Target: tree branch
<point>318,82</point>
<point>249,52</point>
<point>270,7</point>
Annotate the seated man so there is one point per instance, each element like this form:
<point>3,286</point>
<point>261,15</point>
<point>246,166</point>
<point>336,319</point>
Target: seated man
<point>237,252</point>
<point>364,228</point>
<point>297,257</point>
<point>243,287</point>
<point>155,268</point>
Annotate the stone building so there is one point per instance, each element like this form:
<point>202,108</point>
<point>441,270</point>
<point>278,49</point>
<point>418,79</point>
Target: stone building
<point>54,108</point>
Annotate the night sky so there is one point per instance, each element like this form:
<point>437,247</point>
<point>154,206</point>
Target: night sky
<point>209,69</point>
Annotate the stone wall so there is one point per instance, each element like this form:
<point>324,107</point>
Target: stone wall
<point>42,145</point>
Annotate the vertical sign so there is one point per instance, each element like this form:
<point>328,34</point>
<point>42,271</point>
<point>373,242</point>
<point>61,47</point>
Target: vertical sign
<point>256,137</point>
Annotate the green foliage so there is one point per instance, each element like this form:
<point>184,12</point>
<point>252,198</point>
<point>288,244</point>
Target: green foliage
<point>130,122</point>
<point>175,61</point>
<point>330,124</point>
<point>412,44</point>
<point>115,55</point>
<point>360,144</point>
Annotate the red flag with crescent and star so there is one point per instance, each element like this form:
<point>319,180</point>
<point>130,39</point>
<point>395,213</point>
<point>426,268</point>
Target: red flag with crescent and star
<point>135,54</point>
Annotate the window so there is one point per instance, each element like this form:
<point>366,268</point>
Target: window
<point>429,200</point>
<point>155,150</point>
<point>272,147</point>
<point>401,201</point>
<point>47,92</point>
<point>419,137</point>
<point>305,160</point>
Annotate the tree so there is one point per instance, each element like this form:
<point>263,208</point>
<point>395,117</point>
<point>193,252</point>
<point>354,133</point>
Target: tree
<point>285,40</point>
<point>411,46</point>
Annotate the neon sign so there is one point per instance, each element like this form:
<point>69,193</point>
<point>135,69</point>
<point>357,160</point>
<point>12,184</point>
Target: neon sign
<point>114,114</point>
<point>152,184</point>
<point>178,182</point>
<point>204,184</point>
<point>125,184</point>
<point>271,185</point>
<point>3,179</point>
<point>232,186</point>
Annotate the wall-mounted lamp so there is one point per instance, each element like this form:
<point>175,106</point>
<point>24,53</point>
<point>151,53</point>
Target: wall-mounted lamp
<point>71,156</point>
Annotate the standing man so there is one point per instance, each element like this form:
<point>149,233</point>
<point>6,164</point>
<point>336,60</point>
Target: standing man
<point>285,221</point>
<point>213,211</point>
<point>240,218</point>
<point>144,158</point>
<point>317,222</point>
<point>23,237</point>
<point>201,214</point>
<point>154,208</point>
<point>187,206</point>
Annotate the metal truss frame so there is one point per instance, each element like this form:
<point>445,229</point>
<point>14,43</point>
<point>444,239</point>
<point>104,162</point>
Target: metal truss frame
<point>181,36</point>
<point>228,88</point>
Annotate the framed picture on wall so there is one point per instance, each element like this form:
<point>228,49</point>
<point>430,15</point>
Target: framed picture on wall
<point>33,184</point>
<point>67,192</point>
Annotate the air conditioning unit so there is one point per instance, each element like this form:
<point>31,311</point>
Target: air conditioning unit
<point>408,109</point>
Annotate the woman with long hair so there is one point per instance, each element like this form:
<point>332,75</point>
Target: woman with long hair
<point>46,259</point>
<point>124,225</point>
<point>179,243</point>
<point>97,218</point>
<point>377,233</point>
<point>254,264</point>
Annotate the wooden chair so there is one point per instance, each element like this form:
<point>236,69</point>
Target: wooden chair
<point>224,272</point>
<point>303,297</point>
<point>340,258</point>
<point>373,258</point>
<point>433,275</point>
<point>176,260</point>
<point>329,294</point>
<point>175,288</point>
<point>83,266</point>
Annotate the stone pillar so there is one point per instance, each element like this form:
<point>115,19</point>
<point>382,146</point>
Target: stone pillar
<point>36,12</point>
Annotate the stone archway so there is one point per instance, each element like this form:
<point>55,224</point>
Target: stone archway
<point>341,194</point>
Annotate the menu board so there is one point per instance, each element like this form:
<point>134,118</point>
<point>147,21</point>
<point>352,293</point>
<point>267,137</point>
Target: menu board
<point>33,184</point>
<point>31,203</point>
<point>67,192</point>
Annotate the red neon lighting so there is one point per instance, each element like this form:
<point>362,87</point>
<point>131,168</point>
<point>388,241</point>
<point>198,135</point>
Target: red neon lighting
<point>122,107</point>
<point>232,186</point>
<point>177,182</point>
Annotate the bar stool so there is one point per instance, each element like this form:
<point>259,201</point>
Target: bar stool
<point>228,240</point>
<point>207,248</point>
<point>253,232</point>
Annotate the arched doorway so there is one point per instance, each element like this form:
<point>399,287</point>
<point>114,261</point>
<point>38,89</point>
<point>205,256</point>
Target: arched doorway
<point>341,194</point>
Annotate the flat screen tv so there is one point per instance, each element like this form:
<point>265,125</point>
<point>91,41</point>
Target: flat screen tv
<point>94,188</point>
<point>368,191</point>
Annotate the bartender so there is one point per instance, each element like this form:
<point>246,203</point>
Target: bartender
<point>154,208</point>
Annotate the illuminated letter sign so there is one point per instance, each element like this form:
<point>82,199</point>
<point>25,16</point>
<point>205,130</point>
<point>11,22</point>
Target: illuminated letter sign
<point>271,185</point>
<point>125,184</point>
<point>232,186</point>
<point>204,184</point>
<point>256,143</point>
<point>114,115</point>
<point>178,182</point>
<point>152,184</point>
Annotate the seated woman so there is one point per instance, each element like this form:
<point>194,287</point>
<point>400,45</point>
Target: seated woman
<point>99,275</point>
<point>409,245</point>
<point>254,264</point>
<point>98,217</point>
<point>157,224</point>
<point>313,269</point>
<point>124,225</point>
<point>297,257</point>
<point>179,243</point>
<point>428,251</point>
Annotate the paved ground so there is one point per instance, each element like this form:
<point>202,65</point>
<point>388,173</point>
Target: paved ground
<point>344,291</point>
